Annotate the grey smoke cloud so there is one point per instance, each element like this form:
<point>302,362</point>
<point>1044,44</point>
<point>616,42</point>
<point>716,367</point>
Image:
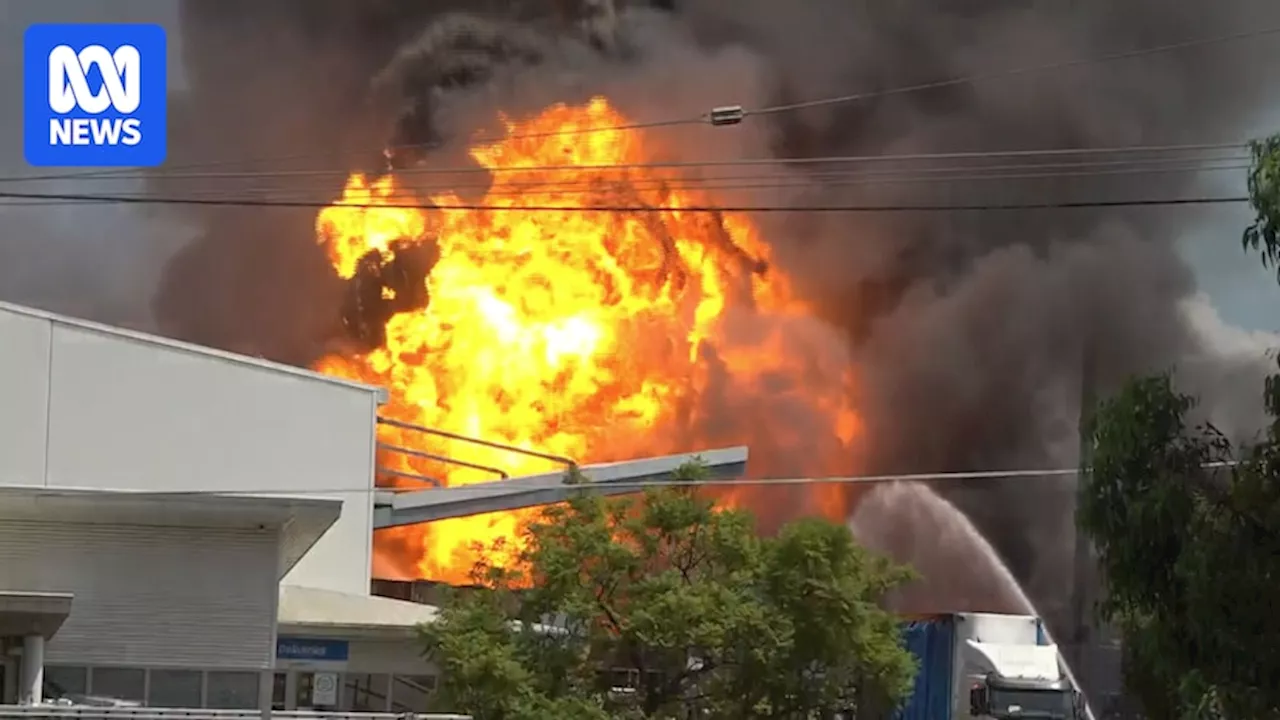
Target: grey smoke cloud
<point>970,331</point>
<point>102,261</point>
<point>972,327</point>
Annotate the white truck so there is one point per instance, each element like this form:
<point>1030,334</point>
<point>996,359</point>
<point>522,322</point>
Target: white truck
<point>989,666</point>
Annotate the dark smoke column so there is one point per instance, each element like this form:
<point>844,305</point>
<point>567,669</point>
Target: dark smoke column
<point>968,328</point>
<point>288,85</point>
<point>274,86</point>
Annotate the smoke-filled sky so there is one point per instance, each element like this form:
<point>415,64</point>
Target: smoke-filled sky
<point>103,262</point>
<point>967,329</point>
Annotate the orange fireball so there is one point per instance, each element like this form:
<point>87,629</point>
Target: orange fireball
<point>558,326</point>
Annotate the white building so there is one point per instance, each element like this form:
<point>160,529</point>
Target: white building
<point>185,527</point>
<point>123,574</point>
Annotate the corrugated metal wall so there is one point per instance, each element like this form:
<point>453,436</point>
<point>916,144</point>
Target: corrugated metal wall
<point>157,596</point>
<point>930,641</point>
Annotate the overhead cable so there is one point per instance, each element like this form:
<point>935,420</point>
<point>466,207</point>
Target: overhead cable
<point>933,477</point>
<point>834,208</point>
<point>733,114</point>
<point>723,186</point>
<point>1241,147</point>
<point>968,79</point>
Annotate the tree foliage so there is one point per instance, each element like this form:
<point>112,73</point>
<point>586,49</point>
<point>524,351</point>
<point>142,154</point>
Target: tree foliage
<point>1263,234</point>
<point>663,605</point>
<point>1187,529</point>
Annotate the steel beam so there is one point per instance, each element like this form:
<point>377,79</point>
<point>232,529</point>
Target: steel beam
<point>395,509</point>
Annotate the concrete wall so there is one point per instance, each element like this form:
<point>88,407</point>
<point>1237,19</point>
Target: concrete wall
<point>85,406</point>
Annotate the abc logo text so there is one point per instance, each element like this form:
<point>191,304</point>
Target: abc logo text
<point>95,95</point>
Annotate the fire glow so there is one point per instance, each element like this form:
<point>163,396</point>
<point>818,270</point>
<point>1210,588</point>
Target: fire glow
<point>588,334</point>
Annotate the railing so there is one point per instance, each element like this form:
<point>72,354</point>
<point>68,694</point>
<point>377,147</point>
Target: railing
<point>84,712</point>
<point>501,474</point>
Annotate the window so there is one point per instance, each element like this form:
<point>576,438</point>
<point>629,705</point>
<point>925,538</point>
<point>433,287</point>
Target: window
<point>174,689</point>
<point>279,691</point>
<point>128,684</point>
<point>237,690</point>
<point>624,679</point>
<point>364,693</point>
<point>412,693</point>
<point>62,681</point>
<point>304,690</point>
<point>1041,703</point>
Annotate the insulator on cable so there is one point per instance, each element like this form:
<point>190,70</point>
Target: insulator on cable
<point>727,115</point>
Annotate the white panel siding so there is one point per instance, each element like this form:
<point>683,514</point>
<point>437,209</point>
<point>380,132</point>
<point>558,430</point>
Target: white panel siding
<point>24,397</point>
<point>153,596</point>
<point>342,559</point>
<point>401,657</point>
<point>130,413</point>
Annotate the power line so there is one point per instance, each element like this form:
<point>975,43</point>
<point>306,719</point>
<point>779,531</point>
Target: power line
<point>133,174</point>
<point>575,190</point>
<point>726,482</point>
<point>596,184</point>
<point>298,204</point>
<point>1158,49</point>
<point>707,118</point>
<point>878,479</point>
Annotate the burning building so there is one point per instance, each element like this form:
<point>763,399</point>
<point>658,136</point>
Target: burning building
<point>545,320</point>
<point>831,343</point>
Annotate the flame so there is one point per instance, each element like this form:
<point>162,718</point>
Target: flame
<point>596,335</point>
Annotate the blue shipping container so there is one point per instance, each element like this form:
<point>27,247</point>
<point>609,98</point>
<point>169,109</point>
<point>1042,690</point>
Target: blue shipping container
<point>931,641</point>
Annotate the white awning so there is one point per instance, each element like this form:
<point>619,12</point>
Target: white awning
<point>301,520</point>
<point>33,613</point>
<point>303,608</point>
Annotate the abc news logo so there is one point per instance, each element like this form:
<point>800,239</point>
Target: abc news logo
<point>69,89</point>
<point>95,95</point>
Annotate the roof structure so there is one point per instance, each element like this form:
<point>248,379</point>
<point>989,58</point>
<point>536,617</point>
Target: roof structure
<point>158,341</point>
<point>304,609</point>
<point>328,610</point>
<point>302,520</point>
<point>394,509</point>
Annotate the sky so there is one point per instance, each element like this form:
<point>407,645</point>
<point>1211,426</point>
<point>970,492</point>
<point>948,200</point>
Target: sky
<point>1244,293</point>
<point>65,248</point>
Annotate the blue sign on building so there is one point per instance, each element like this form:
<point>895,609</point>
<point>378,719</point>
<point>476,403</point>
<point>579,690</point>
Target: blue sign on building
<point>291,648</point>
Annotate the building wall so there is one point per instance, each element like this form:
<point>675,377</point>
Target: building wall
<point>357,654</point>
<point>401,657</point>
<point>374,674</point>
<point>151,596</point>
<point>83,406</point>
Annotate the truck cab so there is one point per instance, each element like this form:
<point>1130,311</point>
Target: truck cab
<point>985,666</point>
<point>998,698</point>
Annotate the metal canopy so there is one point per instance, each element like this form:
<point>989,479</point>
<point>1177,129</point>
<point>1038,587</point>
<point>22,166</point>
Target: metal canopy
<point>394,509</point>
<point>33,613</point>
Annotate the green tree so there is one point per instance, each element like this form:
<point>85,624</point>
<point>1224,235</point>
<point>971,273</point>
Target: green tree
<point>1263,235</point>
<point>1187,529</point>
<point>662,605</point>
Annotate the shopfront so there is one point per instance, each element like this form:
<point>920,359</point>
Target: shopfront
<point>325,674</point>
<point>145,598</point>
<point>353,653</point>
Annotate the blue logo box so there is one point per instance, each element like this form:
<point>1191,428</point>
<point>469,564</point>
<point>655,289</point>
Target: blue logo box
<point>94,95</point>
